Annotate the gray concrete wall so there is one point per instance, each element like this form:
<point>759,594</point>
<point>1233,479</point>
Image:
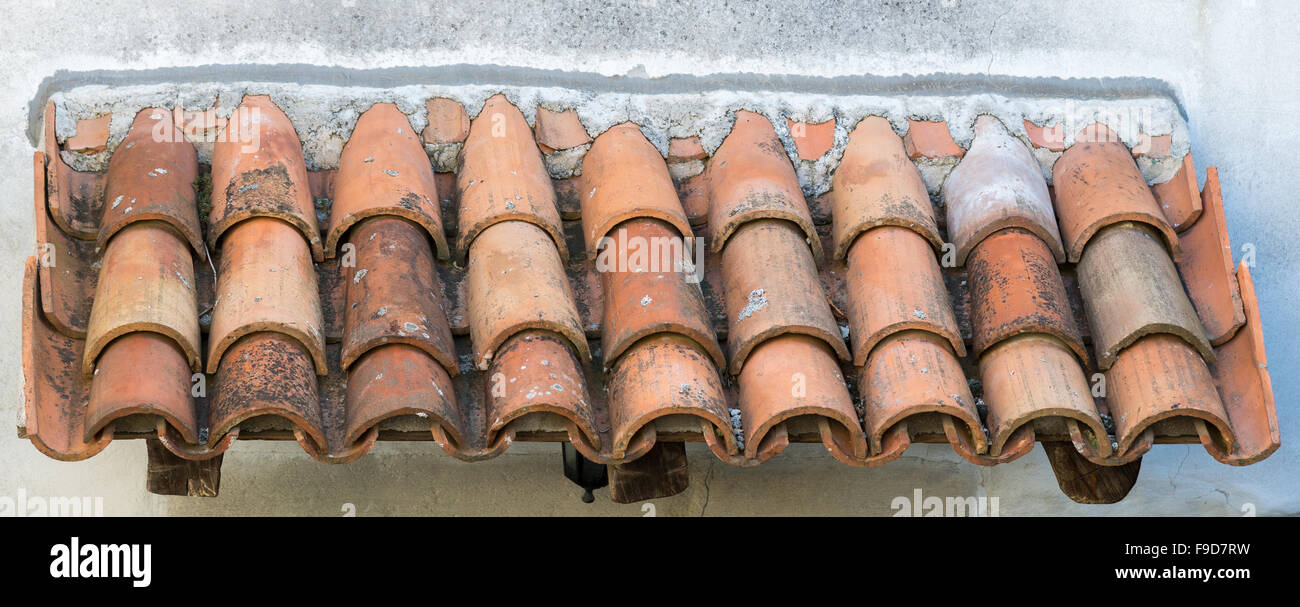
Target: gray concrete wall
<point>1231,62</point>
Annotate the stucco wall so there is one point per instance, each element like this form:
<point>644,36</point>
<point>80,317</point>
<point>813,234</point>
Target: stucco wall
<point>1229,62</point>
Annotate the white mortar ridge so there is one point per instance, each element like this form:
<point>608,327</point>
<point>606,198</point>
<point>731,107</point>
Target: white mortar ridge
<point>325,115</point>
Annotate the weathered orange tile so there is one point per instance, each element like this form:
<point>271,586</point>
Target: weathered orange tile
<point>1206,268</point>
<point>663,375</point>
<point>685,149</point>
<point>502,177</point>
<point>750,178</point>
<point>1051,138</point>
<point>694,194</point>
<point>1097,185</point>
<point>812,140</point>
<point>1130,289</point>
<point>393,293</point>
<point>914,373</point>
<point>399,380</point>
<point>930,139</point>
<point>146,284</point>
<point>1245,388</point>
<point>384,171</point>
<point>142,373</point>
<point>560,130</point>
<point>1015,287</point>
<point>266,282</point>
<point>644,293</point>
<point>791,376</point>
<point>771,288</point>
<point>448,122</point>
<point>624,177</point>
<point>1180,198</point>
<point>877,185</point>
<point>92,135</point>
<point>267,374</point>
<point>1156,378</point>
<point>998,185</point>
<point>1031,376</point>
<point>1154,146</point>
<point>151,180</point>
<point>535,372</point>
<point>74,197</point>
<point>68,266</point>
<point>54,389</point>
<point>894,284</point>
<point>516,282</point>
<point>258,171</point>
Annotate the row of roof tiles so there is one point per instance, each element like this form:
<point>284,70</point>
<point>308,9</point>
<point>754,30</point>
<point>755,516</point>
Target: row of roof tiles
<point>336,327</point>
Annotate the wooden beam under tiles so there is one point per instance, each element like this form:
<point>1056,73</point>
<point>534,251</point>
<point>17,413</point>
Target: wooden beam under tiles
<point>170,475</point>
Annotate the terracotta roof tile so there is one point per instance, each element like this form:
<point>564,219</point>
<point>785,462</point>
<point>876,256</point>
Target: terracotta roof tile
<point>894,284</point>
<point>998,185</point>
<point>1179,197</point>
<point>384,339</point>
<point>812,140</point>
<point>393,293</point>
<point>560,130</point>
<point>1206,268</point>
<point>685,149</point>
<point>502,177</point>
<point>930,139</point>
<point>750,177</point>
<point>384,171</point>
<point>448,122</point>
<point>1130,289</point>
<point>624,177</point>
<point>1051,138</point>
<point>877,185</point>
<point>151,180</point>
<point>1097,185</point>
<point>92,135</point>
<point>772,289</point>
<point>258,171</point>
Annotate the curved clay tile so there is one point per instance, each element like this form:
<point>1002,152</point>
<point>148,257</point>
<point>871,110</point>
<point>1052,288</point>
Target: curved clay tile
<point>1098,185</point>
<point>1180,198</point>
<point>146,284</point>
<point>1131,289</point>
<point>55,392</point>
<point>877,185</point>
<point>894,284</point>
<point>393,293</point>
<point>74,197</point>
<point>1032,376</point>
<point>1245,387</point>
<point>666,375</point>
<point>151,180</point>
<point>791,376</point>
<point>266,374</point>
<point>914,373</point>
<point>395,381</point>
<point>645,294</point>
<point>384,171</point>
<point>502,177</point>
<point>448,122</point>
<point>750,177</point>
<point>624,177</point>
<point>1161,377</point>
<point>266,282</point>
<point>516,282</point>
<point>560,130</point>
<point>142,374</point>
<point>67,265</point>
<point>771,288</point>
<point>997,185</point>
<point>258,171</point>
<point>535,372</point>
<point>1206,268</point>
<point>930,139</point>
<point>1016,287</point>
